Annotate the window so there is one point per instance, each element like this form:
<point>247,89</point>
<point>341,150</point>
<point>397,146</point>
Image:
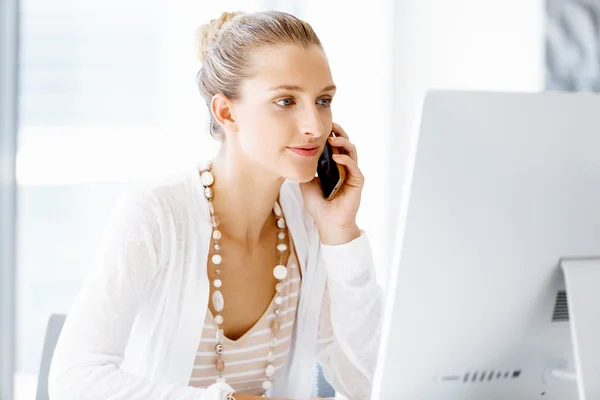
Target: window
<point>107,98</point>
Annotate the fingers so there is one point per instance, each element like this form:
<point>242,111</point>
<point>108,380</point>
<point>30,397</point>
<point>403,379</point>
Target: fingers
<point>350,159</point>
<point>354,175</point>
<point>339,131</point>
<point>345,144</point>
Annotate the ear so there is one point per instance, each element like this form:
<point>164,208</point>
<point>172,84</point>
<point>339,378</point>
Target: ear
<point>221,107</point>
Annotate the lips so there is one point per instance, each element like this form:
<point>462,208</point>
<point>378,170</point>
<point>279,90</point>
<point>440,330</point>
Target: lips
<point>305,151</point>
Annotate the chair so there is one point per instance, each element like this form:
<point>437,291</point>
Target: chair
<point>323,388</point>
<point>55,324</point>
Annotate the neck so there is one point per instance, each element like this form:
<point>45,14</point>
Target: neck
<point>244,195</point>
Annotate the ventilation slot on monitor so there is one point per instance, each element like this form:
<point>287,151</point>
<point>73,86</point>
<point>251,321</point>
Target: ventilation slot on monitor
<point>484,376</point>
<point>561,308</point>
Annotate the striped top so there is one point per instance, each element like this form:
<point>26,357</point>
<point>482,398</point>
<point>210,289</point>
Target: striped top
<point>246,358</point>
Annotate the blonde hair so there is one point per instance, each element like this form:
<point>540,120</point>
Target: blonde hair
<point>226,43</point>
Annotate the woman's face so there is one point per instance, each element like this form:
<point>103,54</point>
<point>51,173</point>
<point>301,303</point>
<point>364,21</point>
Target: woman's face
<point>283,117</point>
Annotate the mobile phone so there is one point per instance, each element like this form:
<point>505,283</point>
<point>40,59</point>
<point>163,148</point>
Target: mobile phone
<point>331,175</point>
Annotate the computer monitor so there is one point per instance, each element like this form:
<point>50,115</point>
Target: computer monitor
<point>502,203</point>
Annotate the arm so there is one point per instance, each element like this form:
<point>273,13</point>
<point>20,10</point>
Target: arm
<point>90,350</point>
<point>351,318</point>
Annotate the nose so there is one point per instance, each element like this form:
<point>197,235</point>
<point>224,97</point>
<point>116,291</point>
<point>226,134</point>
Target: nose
<point>312,123</point>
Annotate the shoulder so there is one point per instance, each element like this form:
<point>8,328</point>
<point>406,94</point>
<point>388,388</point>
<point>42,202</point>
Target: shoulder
<point>155,201</point>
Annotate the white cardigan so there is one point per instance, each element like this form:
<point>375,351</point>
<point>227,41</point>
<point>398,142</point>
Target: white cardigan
<point>134,328</point>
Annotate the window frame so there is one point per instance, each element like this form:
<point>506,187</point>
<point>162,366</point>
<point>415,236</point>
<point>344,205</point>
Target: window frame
<point>9,44</point>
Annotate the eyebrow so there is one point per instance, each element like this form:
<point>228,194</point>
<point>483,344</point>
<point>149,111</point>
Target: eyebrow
<point>299,89</point>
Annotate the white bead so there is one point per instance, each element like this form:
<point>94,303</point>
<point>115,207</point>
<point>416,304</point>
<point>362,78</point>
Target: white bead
<point>218,283</point>
<point>271,357</point>
<point>278,300</point>
<point>217,259</point>
<point>205,165</point>
<point>267,385</point>
<point>282,247</point>
<point>280,272</point>
<point>207,178</point>
<point>279,287</point>
<point>208,193</point>
<point>281,223</point>
<point>277,209</point>
<point>216,234</point>
<point>218,300</point>
<point>281,235</point>
<point>270,371</point>
<point>219,319</point>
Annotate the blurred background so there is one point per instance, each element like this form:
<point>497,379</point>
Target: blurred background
<point>96,95</point>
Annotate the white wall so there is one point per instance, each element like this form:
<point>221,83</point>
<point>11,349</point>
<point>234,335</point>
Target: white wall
<point>459,44</point>
<point>357,38</point>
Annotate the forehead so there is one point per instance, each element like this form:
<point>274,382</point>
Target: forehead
<point>290,65</point>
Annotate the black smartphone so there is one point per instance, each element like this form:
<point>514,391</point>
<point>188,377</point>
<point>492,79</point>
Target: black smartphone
<point>331,175</point>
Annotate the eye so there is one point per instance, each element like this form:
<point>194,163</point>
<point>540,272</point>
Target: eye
<point>325,102</point>
<point>284,103</point>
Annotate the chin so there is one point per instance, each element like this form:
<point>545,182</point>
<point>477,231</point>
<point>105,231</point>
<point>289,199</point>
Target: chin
<point>301,175</point>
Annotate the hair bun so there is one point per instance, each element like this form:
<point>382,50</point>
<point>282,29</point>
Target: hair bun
<point>207,32</point>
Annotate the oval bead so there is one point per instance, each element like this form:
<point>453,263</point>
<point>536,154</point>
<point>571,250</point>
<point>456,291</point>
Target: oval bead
<point>218,300</point>
<point>281,235</point>
<point>281,223</point>
<point>277,209</point>
<point>282,247</point>
<point>208,193</point>
<point>275,326</point>
<point>267,385</point>
<point>219,319</point>
<point>220,365</point>
<point>270,371</point>
<point>217,259</point>
<point>216,234</point>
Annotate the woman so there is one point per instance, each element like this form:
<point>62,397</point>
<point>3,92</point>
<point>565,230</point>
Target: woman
<point>234,280</point>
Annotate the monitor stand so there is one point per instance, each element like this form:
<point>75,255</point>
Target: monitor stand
<point>582,282</point>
